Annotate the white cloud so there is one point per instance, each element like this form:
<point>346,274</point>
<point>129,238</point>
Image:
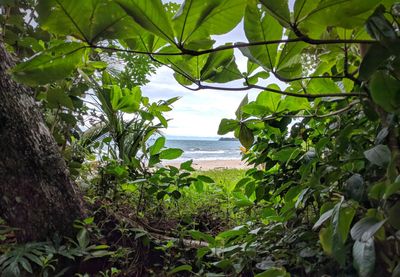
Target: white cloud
<point>199,113</point>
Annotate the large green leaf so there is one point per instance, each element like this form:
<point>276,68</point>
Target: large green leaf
<point>289,63</point>
<point>246,136</point>
<point>220,67</point>
<point>340,13</point>
<point>227,125</point>
<point>279,9</point>
<point>171,153</point>
<point>198,19</point>
<point>364,257</point>
<point>385,91</point>
<point>260,26</point>
<point>151,16</point>
<point>379,155</point>
<point>157,146</point>
<point>51,65</point>
<point>366,228</point>
<point>89,20</point>
<point>375,57</point>
<point>269,99</point>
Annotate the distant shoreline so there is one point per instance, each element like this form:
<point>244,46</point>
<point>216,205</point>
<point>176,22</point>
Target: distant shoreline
<point>204,165</point>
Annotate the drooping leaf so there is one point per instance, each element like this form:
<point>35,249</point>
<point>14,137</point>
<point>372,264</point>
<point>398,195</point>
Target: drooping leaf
<point>260,26</point>
<point>89,20</point>
<point>364,257</point>
<point>215,69</point>
<point>51,65</point>
<point>269,99</point>
<point>246,136</point>
<point>151,16</point>
<point>366,228</point>
<point>279,9</point>
<point>375,57</point>
<point>198,19</point>
<point>385,91</point>
<point>379,155</point>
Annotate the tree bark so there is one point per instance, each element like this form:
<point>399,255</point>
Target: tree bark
<point>36,194</point>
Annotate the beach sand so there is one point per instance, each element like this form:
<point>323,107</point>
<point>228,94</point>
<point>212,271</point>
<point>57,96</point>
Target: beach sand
<point>214,164</point>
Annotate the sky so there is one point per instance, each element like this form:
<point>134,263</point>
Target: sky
<point>198,114</point>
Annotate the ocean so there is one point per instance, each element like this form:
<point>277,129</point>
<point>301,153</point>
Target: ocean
<point>206,149</point>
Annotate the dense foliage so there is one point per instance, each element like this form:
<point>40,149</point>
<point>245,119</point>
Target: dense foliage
<point>323,195</point>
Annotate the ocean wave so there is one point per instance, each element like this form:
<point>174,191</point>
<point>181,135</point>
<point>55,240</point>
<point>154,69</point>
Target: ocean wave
<point>205,152</point>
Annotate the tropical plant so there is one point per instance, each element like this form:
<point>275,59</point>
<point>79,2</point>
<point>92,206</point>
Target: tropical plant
<point>325,139</point>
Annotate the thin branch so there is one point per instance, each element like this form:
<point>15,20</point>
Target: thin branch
<point>340,111</point>
<point>287,93</point>
<point>184,51</point>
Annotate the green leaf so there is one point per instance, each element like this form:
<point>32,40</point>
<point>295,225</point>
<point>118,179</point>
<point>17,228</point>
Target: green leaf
<point>150,15</point>
<point>278,9</point>
<point>179,269</point>
<point>273,272</point>
<point>379,155</point>
<point>198,19</point>
<point>246,136</point>
<point>51,65</point>
<point>286,154</point>
<point>269,99</point>
<point>197,235</point>
<point>364,257</point>
<point>260,26</point>
<point>205,179</point>
<point>83,238</point>
<point>171,154</point>
<point>57,98</point>
<point>289,63</point>
<point>345,13</point>
<point>239,113</point>
<point>373,59</point>
<point>255,109</point>
<point>385,91</point>
<point>216,67</point>
<point>157,146</point>
<point>187,165</point>
<point>89,20</point>
<point>227,125</point>
<point>366,228</point>
<point>324,217</point>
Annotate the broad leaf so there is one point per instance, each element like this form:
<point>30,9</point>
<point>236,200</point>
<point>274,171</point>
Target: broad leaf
<point>51,65</point>
<point>151,16</point>
<point>379,155</point>
<point>260,26</point>
<point>366,228</point>
<point>385,91</point>
<point>89,20</point>
<point>364,257</point>
<point>157,146</point>
<point>227,125</point>
<point>171,154</point>
<point>279,9</point>
<point>198,19</point>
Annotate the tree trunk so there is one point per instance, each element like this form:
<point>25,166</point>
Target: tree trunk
<point>36,193</point>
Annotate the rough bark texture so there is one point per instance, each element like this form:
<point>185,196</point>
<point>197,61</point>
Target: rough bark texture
<point>36,193</point>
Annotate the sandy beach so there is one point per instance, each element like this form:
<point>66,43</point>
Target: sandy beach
<point>214,164</point>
